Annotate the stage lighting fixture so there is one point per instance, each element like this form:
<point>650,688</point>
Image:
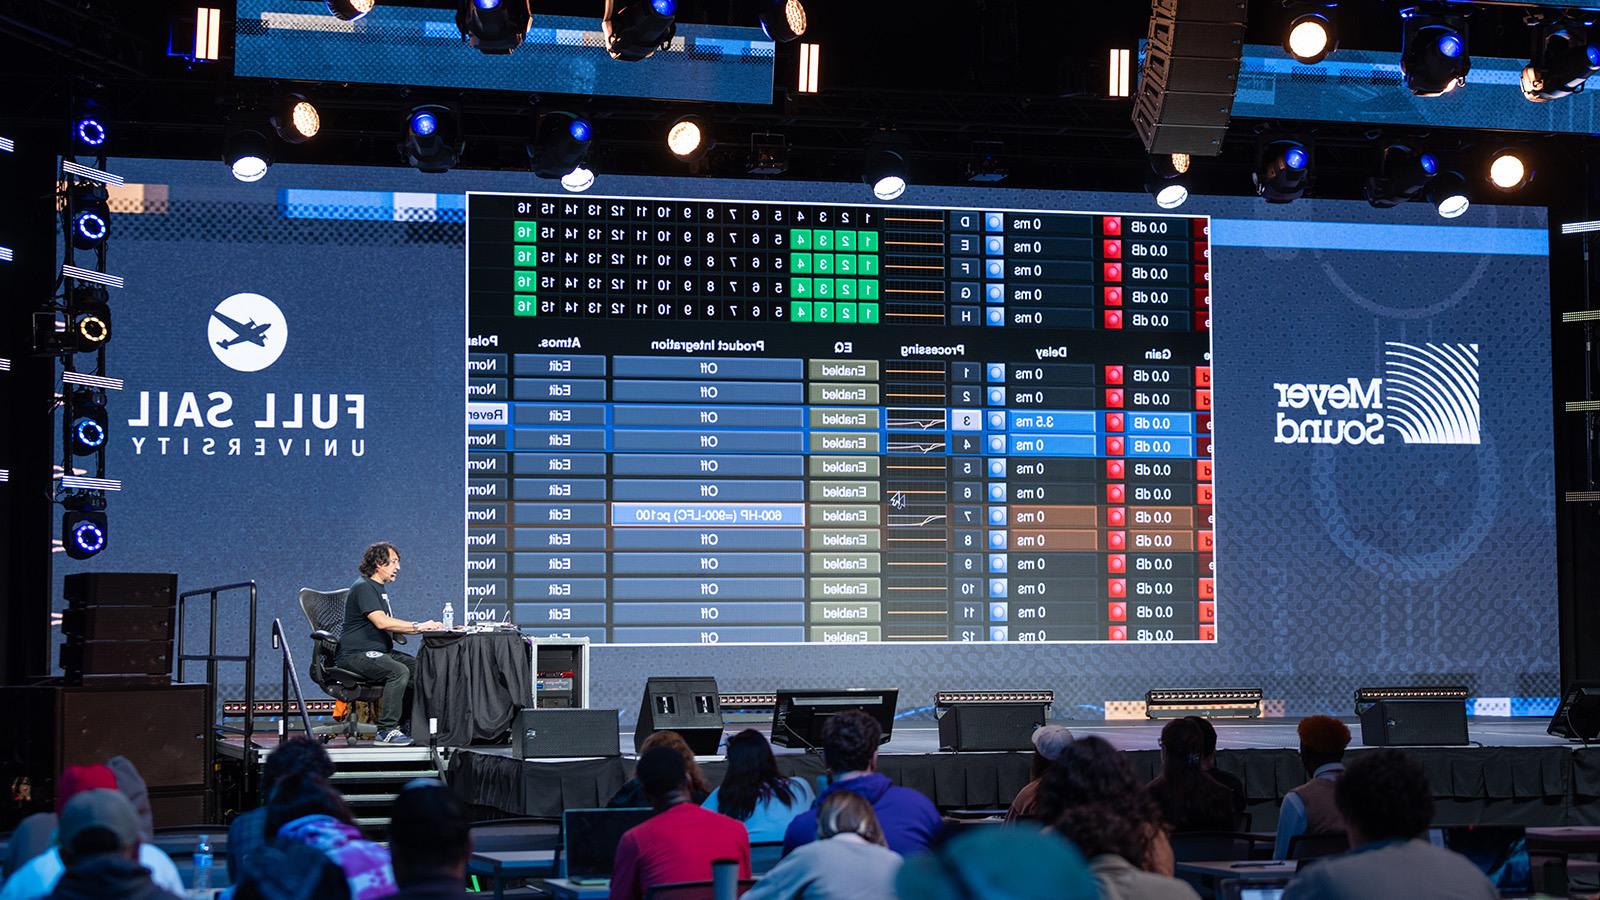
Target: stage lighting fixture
<point>783,20</point>
<point>350,10</point>
<point>248,154</point>
<point>578,180</point>
<point>1168,182</point>
<point>88,321</point>
<point>987,165</point>
<point>87,422</point>
<point>1563,60</point>
<point>1434,56</point>
<point>1210,703</point>
<point>636,29</point>
<point>83,532</point>
<point>495,27</point>
<point>885,171</point>
<point>1403,173</point>
<point>560,144</point>
<point>89,131</point>
<point>296,119</point>
<point>1284,172</point>
<point>1508,171</point>
<point>90,216</point>
<point>689,138</point>
<point>1311,38</point>
<point>433,141</point>
<point>1448,194</point>
<point>769,154</point>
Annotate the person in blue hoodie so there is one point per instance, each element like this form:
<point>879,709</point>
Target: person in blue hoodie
<point>850,751</point>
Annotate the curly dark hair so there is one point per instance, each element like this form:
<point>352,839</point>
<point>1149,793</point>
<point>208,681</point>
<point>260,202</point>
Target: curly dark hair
<point>1092,797</point>
<point>1384,795</point>
<point>303,794</point>
<point>377,555</point>
<point>292,757</point>
<point>848,741</point>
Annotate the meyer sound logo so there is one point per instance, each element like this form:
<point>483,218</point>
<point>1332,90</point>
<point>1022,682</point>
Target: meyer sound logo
<point>1427,394</point>
<point>247,332</point>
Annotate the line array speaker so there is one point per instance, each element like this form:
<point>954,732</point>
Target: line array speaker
<point>1189,73</point>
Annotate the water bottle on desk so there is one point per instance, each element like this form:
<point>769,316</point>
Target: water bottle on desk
<point>449,616</point>
<point>202,865</point>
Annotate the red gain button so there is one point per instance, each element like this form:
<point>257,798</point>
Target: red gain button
<point>1208,591</point>
<point>1117,612</point>
<point>1117,563</point>
<point>1113,296</point>
<point>1116,587</point>
<point>1112,271</point>
<point>1208,632</point>
<point>1205,541</point>
<point>1111,249</point>
<point>1111,224</point>
<point>1208,611</point>
<point>1113,373</point>
<point>1117,633</point>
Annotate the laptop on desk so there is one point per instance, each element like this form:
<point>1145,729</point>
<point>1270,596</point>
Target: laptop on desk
<point>1501,851</point>
<point>589,839</point>
<point>1240,889</point>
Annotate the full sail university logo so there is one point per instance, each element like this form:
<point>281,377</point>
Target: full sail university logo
<point>247,332</point>
<point>1426,394</point>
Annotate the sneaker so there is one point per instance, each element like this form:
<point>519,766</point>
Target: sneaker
<point>394,737</point>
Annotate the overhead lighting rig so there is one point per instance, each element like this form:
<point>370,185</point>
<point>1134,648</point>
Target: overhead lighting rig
<point>1433,56</point>
<point>1564,57</point>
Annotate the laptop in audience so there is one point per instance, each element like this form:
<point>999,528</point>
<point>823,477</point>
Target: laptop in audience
<point>589,839</point>
<point>1501,851</point>
<point>1243,889</point>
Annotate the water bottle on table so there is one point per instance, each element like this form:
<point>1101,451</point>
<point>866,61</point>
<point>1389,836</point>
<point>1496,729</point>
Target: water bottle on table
<point>202,865</point>
<point>449,616</point>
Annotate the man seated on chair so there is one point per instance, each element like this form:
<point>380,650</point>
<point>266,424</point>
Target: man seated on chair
<point>1309,809</point>
<point>366,646</point>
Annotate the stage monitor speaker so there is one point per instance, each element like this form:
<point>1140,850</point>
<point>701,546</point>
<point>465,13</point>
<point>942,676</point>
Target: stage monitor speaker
<point>565,733</point>
<point>1414,723</point>
<point>1189,73</point>
<point>120,589</point>
<point>689,706</point>
<point>1578,716</point>
<point>117,623</point>
<point>990,726</point>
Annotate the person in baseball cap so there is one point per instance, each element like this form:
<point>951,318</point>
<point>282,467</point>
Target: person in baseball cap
<point>1048,742</point>
<point>99,842</point>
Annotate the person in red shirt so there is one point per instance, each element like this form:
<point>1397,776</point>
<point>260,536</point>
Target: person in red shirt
<point>678,843</point>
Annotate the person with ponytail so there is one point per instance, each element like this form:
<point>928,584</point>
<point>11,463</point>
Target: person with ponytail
<point>1189,798</point>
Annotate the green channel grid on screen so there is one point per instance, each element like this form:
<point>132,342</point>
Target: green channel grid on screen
<point>525,278</point>
<point>833,276</point>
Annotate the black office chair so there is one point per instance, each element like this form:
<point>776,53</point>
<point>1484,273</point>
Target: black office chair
<point>1314,846</point>
<point>1195,846</point>
<point>325,612</point>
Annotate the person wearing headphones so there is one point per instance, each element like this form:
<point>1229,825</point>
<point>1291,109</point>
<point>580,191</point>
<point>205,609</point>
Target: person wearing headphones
<point>849,860</point>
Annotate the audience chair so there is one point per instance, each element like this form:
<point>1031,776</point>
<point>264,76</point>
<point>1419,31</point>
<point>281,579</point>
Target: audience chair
<point>1197,846</point>
<point>324,610</point>
<point>691,890</point>
<point>1313,846</point>
<point>764,855</point>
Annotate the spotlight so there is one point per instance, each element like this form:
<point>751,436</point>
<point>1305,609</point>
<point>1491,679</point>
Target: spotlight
<point>350,10</point>
<point>90,216</point>
<point>89,132</point>
<point>296,119</point>
<point>248,154</point>
<point>1448,194</point>
<point>1403,173</point>
<point>433,141</point>
<point>636,29</point>
<point>1562,62</point>
<point>1508,171</point>
<point>885,171</point>
<point>987,164</point>
<point>87,423</point>
<point>1434,55</point>
<point>560,144</point>
<point>83,532</point>
<point>769,154</point>
<point>783,20</point>
<point>689,138</point>
<point>1168,182</point>
<point>1310,38</point>
<point>88,324</point>
<point>578,180</point>
<point>495,27</point>
<point>1284,172</point>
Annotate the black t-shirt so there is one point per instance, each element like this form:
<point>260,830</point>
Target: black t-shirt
<point>359,634</point>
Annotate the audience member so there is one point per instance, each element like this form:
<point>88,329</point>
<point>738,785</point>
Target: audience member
<point>755,792</point>
<point>430,839</point>
<point>631,794</point>
<point>131,785</point>
<point>1048,742</point>
<point>1190,799</point>
<point>998,863</point>
<point>1310,808</point>
<point>849,860</point>
<point>1386,805</point>
<point>99,844</point>
<point>1092,798</point>
<point>315,849</point>
<point>850,751</point>
<point>38,876</point>
<point>681,841</point>
<point>1208,760</point>
<point>248,831</point>
<point>33,836</point>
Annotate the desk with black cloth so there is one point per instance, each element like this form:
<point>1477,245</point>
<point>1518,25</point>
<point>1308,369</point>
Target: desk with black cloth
<point>471,684</point>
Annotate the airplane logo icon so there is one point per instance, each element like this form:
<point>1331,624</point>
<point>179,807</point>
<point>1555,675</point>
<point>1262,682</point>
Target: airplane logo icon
<point>247,332</point>
<point>243,332</point>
